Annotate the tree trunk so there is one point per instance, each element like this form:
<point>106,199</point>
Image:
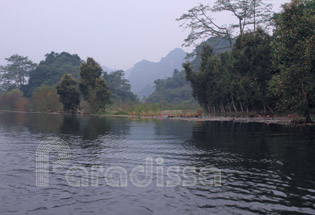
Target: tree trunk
<point>235,109</point>
<point>270,109</point>
<point>240,21</point>
<point>242,109</point>
<point>306,106</point>
<point>254,16</point>
<point>229,106</point>
<point>222,107</point>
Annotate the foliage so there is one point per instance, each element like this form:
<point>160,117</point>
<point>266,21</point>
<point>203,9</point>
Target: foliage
<point>119,87</point>
<point>46,99</point>
<point>293,88</point>
<point>174,90</point>
<point>252,68</point>
<point>68,92</point>
<point>16,72</point>
<point>93,88</point>
<point>14,101</point>
<point>50,70</point>
<point>235,80</point>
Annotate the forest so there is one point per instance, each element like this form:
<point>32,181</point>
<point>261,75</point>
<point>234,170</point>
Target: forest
<point>264,64</point>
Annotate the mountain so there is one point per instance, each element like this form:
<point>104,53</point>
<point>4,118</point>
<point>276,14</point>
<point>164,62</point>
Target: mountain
<point>108,70</point>
<point>218,44</point>
<point>144,73</point>
<point>145,92</point>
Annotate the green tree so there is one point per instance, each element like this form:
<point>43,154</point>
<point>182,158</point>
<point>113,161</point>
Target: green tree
<point>205,81</point>
<point>68,92</point>
<point>119,87</point>
<point>294,86</point>
<point>174,90</point>
<point>46,99</point>
<point>15,74</point>
<point>50,70</point>
<point>102,94</point>
<point>93,88</point>
<point>252,68</point>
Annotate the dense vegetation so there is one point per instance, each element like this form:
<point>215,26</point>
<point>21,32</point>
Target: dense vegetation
<point>52,85</point>
<point>262,72</point>
<point>174,91</point>
<point>50,71</point>
<point>119,87</point>
<point>242,68</point>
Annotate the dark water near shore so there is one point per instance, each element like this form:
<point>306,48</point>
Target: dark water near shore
<point>265,169</point>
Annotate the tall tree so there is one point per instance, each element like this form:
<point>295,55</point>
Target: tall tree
<point>252,54</point>
<point>294,50</point>
<point>93,88</point>
<point>15,74</point>
<point>205,81</point>
<point>69,94</point>
<point>203,26</point>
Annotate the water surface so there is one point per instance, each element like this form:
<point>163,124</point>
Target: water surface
<point>266,169</point>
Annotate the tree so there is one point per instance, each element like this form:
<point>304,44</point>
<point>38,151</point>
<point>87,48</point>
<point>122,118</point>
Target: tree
<point>50,70</point>
<point>14,100</point>
<point>294,85</point>
<point>174,90</point>
<point>93,88</point>
<point>203,26</point>
<point>46,99</point>
<point>16,72</point>
<point>205,81</point>
<point>68,92</point>
<point>119,87</point>
<point>102,94</point>
<point>252,68</point>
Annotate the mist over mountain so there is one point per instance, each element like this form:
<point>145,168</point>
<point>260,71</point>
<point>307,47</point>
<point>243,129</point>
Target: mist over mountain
<point>144,73</point>
<point>109,70</point>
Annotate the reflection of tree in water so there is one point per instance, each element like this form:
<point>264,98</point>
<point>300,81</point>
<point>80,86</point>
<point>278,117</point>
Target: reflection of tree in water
<point>34,122</point>
<point>70,125</point>
<point>274,150</point>
<point>247,139</point>
<point>174,128</point>
<point>93,127</point>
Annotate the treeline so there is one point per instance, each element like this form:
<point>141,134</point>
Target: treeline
<point>262,72</point>
<point>174,92</point>
<point>61,82</point>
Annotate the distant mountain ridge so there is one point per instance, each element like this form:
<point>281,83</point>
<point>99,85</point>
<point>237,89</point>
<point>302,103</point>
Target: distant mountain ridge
<point>144,73</point>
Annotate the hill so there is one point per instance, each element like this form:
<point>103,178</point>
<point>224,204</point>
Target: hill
<point>144,73</point>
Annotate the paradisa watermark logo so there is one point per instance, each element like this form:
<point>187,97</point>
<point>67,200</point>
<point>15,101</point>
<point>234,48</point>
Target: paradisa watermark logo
<point>117,176</point>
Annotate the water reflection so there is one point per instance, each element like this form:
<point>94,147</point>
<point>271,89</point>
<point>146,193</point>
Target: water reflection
<point>265,168</point>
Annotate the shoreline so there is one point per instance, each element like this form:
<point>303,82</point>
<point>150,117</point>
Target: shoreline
<point>279,121</point>
<point>265,120</point>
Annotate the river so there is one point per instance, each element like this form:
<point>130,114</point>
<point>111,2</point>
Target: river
<point>255,168</point>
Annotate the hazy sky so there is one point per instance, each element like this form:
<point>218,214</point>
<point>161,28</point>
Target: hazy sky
<point>116,33</point>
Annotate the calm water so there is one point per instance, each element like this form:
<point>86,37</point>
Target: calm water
<point>265,169</point>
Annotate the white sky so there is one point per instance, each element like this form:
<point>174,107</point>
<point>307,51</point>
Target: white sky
<point>116,33</point>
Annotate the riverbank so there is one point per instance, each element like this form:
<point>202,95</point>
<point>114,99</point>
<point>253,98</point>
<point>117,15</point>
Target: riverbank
<point>270,120</point>
<point>288,120</point>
